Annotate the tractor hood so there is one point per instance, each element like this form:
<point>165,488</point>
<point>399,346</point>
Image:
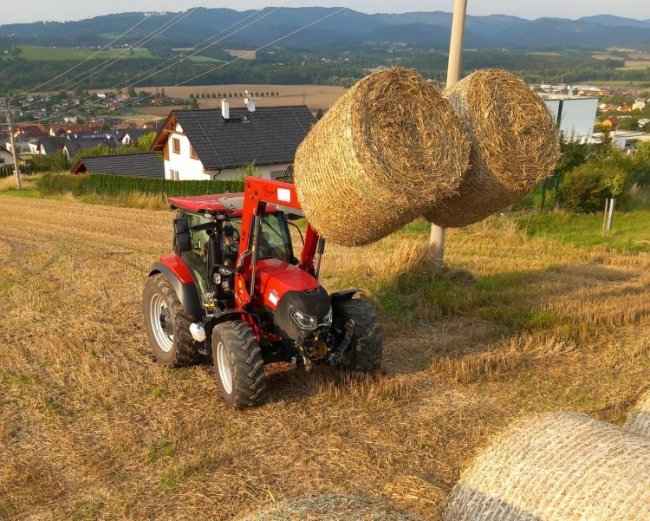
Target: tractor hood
<point>275,278</point>
<point>299,303</point>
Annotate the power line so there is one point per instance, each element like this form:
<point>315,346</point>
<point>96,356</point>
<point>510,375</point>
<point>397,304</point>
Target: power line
<point>107,46</point>
<point>117,87</point>
<point>179,61</point>
<point>221,66</point>
<point>111,61</point>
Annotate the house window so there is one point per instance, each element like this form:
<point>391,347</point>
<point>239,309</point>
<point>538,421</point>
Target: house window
<point>176,144</point>
<point>193,153</point>
<point>174,175</point>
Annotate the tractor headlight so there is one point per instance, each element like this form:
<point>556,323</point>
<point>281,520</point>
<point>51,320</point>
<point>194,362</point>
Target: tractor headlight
<point>328,318</point>
<point>304,321</point>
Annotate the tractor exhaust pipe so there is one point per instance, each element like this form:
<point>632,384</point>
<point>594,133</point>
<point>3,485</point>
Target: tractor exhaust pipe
<point>320,249</point>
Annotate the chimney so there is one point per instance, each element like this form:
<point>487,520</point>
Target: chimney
<point>225,109</point>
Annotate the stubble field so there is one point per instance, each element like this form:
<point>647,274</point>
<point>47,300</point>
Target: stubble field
<point>92,428</point>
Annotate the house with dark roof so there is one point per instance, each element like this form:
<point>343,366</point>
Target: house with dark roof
<point>6,157</point>
<point>77,142</point>
<point>48,145</point>
<point>130,136</point>
<point>218,144</point>
<point>146,164</point>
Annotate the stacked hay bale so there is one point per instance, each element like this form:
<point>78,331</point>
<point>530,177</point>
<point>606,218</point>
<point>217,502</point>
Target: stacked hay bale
<point>391,147</point>
<point>514,146</point>
<point>639,419</point>
<point>558,466</point>
<point>330,508</point>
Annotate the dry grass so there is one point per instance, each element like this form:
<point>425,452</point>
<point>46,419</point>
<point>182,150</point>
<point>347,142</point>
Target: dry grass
<point>390,147</point>
<point>242,53</point>
<point>92,428</point>
<point>330,508</point>
<point>559,466</point>
<point>639,419</point>
<point>314,96</point>
<point>7,183</point>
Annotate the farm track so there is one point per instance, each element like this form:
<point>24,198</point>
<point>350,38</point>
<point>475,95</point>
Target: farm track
<point>91,427</point>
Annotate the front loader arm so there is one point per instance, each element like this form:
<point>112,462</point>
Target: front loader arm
<point>257,194</point>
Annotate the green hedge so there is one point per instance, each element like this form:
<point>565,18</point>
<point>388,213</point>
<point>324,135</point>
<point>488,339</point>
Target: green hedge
<point>114,185</point>
<point>8,170</point>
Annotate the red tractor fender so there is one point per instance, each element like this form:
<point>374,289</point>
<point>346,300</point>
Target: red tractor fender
<point>179,276</point>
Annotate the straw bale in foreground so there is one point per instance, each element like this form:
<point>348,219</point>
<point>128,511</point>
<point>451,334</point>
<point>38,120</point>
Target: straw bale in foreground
<point>558,466</point>
<point>330,508</point>
<point>514,146</point>
<point>389,148</point>
<point>639,419</point>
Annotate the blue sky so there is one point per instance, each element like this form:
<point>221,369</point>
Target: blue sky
<point>37,10</point>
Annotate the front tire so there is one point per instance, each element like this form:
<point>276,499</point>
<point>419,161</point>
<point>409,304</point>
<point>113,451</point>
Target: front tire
<point>367,349</point>
<point>239,365</point>
<point>167,324</point>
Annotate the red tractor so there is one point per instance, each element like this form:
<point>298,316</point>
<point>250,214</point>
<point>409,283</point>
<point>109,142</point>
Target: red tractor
<point>233,289</point>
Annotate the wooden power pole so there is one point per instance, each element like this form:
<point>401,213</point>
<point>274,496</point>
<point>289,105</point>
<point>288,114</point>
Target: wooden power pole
<point>454,67</point>
<point>19,181</point>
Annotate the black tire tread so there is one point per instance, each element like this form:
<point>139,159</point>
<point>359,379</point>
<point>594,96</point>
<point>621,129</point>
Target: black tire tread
<point>367,344</point>
<point>185,350</point>
<point>249,379</point>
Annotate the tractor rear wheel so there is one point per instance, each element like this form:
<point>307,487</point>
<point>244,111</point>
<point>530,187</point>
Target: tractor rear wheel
<point>367,349</point>
<point>167,324</point>
<point>239,365</point>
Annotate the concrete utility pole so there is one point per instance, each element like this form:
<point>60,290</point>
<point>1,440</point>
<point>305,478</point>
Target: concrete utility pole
<point>19,181</point>
<point>454,67</point>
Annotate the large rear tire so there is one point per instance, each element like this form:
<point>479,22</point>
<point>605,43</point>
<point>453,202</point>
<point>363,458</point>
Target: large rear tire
<point>167,324</point>
<point>239,365</point>
<point>367,350</point>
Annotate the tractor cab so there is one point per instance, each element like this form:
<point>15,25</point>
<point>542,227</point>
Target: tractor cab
<point>208,239</point>
<point>235,289</point>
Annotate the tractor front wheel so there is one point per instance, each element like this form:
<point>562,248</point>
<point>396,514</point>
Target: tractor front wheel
<point>167,324</point>
<point>366,352</point>
<point>239,365</point>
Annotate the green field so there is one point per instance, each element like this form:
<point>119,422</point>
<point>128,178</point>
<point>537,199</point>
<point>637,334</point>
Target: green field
<point>36,53</point>
<point>204,59</point>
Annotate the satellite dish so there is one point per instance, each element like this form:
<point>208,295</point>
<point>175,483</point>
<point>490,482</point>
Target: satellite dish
<point>250,104</point>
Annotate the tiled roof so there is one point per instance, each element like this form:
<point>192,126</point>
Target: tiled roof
<point>89,142</point>
<point>133,165</point>
<point>270,135</point>
<point>52,144</point>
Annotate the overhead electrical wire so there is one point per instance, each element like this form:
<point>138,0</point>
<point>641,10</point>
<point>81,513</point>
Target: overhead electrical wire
<point>108,62</point>
<point>183,58</point>
<point>220,66</point>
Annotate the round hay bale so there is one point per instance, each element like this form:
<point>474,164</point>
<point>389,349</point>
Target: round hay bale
<point>514,142</point>
<point>330,508</point>
<point>639,419</point>
<point>558,466</point>
<point>390,147</point>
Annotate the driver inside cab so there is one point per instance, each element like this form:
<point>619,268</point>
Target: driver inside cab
<point>229,245</point>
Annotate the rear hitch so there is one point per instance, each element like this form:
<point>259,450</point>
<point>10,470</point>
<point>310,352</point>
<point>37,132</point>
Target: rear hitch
<point>336,357</point>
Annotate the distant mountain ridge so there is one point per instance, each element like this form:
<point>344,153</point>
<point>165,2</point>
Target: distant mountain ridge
<point>345,29</point>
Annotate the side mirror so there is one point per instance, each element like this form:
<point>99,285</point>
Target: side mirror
<point>182,240</point>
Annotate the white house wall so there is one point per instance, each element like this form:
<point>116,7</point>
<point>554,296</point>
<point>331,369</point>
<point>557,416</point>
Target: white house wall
<point>189,169</point>
<point>6,158</point>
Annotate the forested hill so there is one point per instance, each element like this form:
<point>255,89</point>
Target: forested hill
<point>345,29</point>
